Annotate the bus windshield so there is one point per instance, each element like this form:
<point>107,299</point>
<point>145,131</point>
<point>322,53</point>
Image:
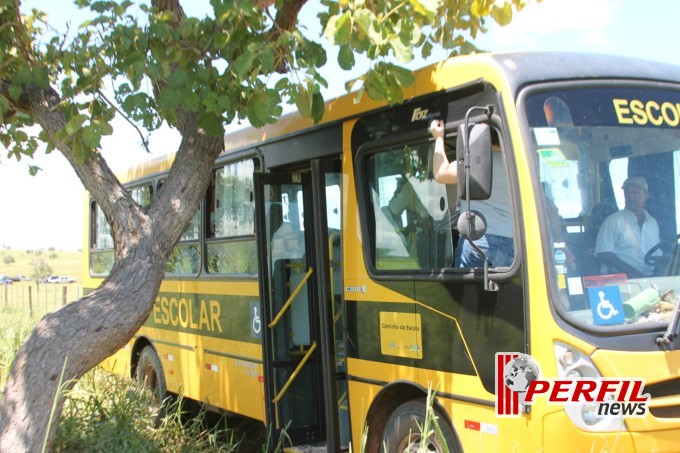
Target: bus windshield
<point>608,159</point>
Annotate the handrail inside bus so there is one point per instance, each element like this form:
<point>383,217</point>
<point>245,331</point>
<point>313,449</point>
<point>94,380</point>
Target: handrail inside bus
<point>292,378</point>
<point>279,315</point>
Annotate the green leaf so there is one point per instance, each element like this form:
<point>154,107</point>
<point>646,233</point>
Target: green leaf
<point>502,15</point>
<point>481,8</point>
<point>75,123</point>
<point>169,99</point>
<point>267,59</point>
<point>178,78</point>
<point>263,107</point>
<point>303,102</point>
<point>24,76</point>
<point>40,77</point>
<point>190,99</point>
<point>225,103</point>
<point>387,81</point>
<point>339,29</point>
<point>375,86</point>
<point>364,21</point>
<point>427,49</point>
<point>346,57</point>
<point>4,105</point>
<point>318,107</point>
<point>403,76</point>
<point>243,64</point>
<point>104,126</point>
<point>92,135</point>
<point>211,123</point>
<point>15,91</point>
<point>20,136</point>
<point>222,39</point>
<point>402,53</point>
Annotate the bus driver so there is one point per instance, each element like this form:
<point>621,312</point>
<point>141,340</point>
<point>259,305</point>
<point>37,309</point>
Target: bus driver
<point>626,236</point>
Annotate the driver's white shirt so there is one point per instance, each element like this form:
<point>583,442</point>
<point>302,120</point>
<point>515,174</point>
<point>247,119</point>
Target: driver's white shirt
<point>621,235</point>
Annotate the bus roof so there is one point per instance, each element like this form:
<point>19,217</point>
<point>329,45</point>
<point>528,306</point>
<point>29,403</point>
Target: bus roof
<point>518,70</point>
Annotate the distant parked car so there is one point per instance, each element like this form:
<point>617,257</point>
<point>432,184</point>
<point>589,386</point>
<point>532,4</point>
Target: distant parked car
<point>59,279</point>
<point>5,281</point>
<point>20,278</point>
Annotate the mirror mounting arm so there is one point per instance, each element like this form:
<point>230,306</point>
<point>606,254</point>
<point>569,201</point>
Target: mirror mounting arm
<point>489,285</point>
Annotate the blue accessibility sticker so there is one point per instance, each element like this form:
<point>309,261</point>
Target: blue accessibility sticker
<point>606,305</point>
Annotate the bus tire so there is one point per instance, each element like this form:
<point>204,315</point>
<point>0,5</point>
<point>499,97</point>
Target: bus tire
<point>150,376</point>
<point>402,432</point>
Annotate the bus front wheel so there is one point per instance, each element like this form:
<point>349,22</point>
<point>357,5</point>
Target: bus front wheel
<point>403,432</point>
<point>150,376</point>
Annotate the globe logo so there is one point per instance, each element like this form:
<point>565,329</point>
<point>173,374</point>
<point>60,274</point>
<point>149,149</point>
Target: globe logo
<point>519,372</point>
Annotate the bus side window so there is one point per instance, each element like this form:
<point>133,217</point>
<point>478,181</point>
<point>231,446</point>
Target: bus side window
<point>230,218</point>
<point>185,258</point>
<point>101,242</point>
<point>411,227</point>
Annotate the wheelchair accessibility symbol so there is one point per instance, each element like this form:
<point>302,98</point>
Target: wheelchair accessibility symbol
<point>606,305</point>
<point>605,308</point>
<point>255,321</point>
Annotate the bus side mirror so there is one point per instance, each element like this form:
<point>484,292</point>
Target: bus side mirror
<point>473,154</point>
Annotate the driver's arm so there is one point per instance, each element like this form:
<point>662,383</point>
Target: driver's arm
<point>445,172</point>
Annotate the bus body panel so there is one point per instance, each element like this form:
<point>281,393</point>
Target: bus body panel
<point>409,331</point>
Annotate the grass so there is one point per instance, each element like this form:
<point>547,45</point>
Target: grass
<point>105,412</point>
<point>64,263</point>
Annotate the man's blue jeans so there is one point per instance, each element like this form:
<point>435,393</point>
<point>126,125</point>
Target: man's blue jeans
<point>498,249</point>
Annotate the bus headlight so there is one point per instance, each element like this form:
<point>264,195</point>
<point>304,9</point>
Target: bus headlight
<point>573,364</point>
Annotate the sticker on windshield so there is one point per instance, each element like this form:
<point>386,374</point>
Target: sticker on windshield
<point>606,304</point>
<point>553,157</point>
<point>546,136</point>
<point>575,286</point>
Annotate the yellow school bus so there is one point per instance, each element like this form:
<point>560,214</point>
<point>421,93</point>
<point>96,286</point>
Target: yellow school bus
<point>328,282</point>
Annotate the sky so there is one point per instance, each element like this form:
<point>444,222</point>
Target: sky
<point>47,210</point>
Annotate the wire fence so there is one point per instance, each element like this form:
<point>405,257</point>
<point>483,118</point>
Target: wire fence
<point>38,299</point>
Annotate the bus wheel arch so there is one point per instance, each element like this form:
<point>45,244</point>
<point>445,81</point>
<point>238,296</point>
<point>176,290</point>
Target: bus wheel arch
<point>394,399</point>
<point>150,376</point>
<point>137,348</point>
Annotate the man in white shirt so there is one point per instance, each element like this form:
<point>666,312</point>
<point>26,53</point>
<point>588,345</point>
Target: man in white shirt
<point>626,236</point>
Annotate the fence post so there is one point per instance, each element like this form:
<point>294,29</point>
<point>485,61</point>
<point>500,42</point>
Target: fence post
<point>63,296</point>
<point>30,300</point>
<point>6,299</point>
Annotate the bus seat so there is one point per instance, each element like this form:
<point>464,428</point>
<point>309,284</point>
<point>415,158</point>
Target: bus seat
<point>598,213</point>
<point>586,261</point>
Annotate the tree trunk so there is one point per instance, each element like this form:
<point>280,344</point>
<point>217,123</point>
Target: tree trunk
<point>79,336</point>
<point>70,342</point>
<point>67,343</point>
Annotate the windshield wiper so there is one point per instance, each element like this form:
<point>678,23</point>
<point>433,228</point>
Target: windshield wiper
<point>672,330</point>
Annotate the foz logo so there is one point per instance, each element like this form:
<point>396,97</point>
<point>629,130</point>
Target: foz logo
<point>419,114</point>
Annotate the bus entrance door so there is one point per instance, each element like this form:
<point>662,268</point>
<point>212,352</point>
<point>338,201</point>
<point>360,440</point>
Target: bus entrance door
<point>291,349</point>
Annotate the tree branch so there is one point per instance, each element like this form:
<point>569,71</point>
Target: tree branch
<point>172,6</point>
<point>285,20</point>
<point>20,34</point>
<point>145,142</point>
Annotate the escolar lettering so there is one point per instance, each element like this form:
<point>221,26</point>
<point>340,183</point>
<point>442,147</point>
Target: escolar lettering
<point>642,113</point>
<point>180,312</point>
